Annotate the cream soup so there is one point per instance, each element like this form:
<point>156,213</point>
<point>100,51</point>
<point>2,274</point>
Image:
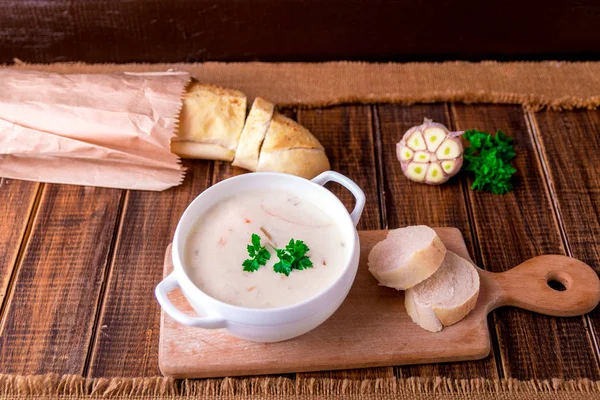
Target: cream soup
<point>216,248</point>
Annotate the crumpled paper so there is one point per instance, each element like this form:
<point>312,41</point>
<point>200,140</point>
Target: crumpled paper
<point>109,130</point>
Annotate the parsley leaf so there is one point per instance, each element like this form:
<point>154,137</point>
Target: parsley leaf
<point>259,255</point>
<point>292,257</point>
<point>488,157</point>
<point>284,266</point>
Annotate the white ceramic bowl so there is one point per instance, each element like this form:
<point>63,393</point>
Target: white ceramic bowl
<point>266,324</point>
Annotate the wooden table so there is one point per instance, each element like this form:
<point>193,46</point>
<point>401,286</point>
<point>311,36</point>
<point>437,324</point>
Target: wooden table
<point>78,265</point>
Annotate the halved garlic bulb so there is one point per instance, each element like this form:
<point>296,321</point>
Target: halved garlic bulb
<point>430,153</point>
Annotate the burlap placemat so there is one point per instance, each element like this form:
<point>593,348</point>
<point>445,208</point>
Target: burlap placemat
<point>535,85</point>
<point>67,387</point>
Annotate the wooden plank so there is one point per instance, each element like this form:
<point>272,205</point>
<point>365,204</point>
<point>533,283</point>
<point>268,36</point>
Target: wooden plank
<point>346,132</point>
<point>126,342</point>
<point>228,30</point>
<point>17,200</point>
<point>510,229</point>
<point>223,170</point>
<point>409,203</point>
<point>570,146</point>
<point>50,313</point>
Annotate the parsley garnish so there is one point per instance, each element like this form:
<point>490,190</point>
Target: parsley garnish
<point>258,255</point>
<point>488,157</point>
<point>292,257</point>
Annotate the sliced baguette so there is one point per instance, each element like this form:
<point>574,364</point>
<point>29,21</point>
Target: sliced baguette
<point>290,148</point>
<point>406,257</point>
<point>446,297</point>
<point>210,123</point>
<point>253,134</point>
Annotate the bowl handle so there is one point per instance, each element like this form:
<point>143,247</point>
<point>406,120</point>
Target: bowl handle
<point>169,284</point>
<point>349,184</point>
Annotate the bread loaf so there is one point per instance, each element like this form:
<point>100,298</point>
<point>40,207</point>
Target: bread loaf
<point>211,126</point>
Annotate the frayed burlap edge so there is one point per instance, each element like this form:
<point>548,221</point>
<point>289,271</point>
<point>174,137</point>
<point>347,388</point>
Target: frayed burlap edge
<point>550,85</point>
<point>76,386</point>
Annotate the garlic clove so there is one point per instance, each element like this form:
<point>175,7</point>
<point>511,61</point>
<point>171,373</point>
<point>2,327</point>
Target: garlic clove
<point>435,174</point>
<point>416,171</point>
<point>422,156</point>
<point>405,153</point>
<point>434,137</point>
<point>448,166</point>
<point>416,141</point>
<point>448,150</point>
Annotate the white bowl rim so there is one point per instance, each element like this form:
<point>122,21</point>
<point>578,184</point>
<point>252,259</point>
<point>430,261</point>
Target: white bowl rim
<point>230,308</point>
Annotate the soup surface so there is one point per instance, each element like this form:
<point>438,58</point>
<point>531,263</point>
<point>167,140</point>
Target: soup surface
<point>216,248</point>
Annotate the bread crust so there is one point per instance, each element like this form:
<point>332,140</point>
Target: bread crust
<point>306,163</point>
<point>290,148</point>
<point>210,115</point>
<point>253,134</point>
<point>285,134</point>
<point>421,265</point>
<point>208,151</point>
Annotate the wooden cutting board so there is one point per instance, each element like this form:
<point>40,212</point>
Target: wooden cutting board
<point>371,328</point>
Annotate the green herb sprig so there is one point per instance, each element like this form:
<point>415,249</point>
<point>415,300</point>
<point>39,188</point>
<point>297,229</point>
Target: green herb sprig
<point>488,157</point>
<point>292,257</point>
<point>259,255</point>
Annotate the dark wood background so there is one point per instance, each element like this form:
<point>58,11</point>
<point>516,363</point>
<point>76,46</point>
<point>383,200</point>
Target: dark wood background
<point>296,30</point>
<point>78,265</point>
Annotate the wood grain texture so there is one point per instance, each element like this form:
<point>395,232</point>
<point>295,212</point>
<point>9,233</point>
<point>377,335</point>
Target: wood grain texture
<point>16,204</point>
<point>223,170</point>
<point>510,229</point>
<point>570,145</point>
<point>346,133</point>
<point>295,30</point>
<point>409,203</point>
<point>50,314</point>
<point>127,332</point>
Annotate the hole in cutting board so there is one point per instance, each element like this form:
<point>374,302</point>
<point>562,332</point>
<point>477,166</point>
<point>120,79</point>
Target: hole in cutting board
<point>556,285</point>
<point>559,280</point>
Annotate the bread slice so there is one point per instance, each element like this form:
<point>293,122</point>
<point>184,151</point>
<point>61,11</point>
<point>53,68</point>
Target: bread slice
<point>253,134</point>
<point>406,257</point>
<point>445,298</point>
<point>210,122</point>
<point>290,148</point>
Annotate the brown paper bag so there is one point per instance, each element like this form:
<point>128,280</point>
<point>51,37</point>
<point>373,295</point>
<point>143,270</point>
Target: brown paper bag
<point>110,130</point>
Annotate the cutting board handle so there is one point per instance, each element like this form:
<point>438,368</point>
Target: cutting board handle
<point>527,286</point>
